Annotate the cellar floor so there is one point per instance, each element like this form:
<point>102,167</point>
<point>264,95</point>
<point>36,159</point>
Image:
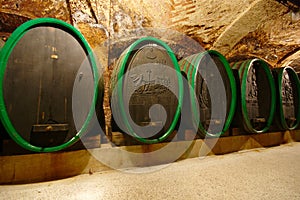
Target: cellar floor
<point>264,173</point>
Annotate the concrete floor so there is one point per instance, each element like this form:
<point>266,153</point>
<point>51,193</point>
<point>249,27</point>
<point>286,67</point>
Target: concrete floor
<point>271,173</point>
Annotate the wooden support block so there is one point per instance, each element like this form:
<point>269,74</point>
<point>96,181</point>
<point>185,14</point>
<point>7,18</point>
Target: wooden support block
<point>295,134</point>
<point>118,138</point>
<point>269,139</point>
<point>229,144</point>
<point>63,164</point>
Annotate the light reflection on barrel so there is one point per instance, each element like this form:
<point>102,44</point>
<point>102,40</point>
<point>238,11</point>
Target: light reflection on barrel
<point>256,95</point>
<point>149,69</point>
<point>210,75</point>
<point>288,96</point>
<point>40,64</point>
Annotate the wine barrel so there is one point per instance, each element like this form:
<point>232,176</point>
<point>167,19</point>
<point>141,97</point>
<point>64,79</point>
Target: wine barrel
<point>212,80</point>
<point>288,96</point>
<point>257,95</point>
<point>146,75</point>
<point>41,62</point>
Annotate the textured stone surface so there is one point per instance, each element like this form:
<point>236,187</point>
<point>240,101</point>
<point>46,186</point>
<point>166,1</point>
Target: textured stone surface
<point>218,24</point>
<point>293,60</point>
<point>275,40</point>
<point>258,13</point>
<point>37,8</point>
<point>206,20</point>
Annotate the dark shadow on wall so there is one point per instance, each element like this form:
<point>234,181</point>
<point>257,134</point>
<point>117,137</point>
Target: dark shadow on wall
<point>9,22</point>
<point>293,5</point>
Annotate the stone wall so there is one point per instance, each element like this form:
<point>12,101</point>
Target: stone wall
<point>264,28</point>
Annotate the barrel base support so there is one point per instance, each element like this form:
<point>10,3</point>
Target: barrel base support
<point>51,166</point>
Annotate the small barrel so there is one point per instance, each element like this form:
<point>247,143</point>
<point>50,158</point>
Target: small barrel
<point>256,95</point>
<point>147,89</point>
<point>41,63</point>
<point>212,80</point>
<point>288,96</point>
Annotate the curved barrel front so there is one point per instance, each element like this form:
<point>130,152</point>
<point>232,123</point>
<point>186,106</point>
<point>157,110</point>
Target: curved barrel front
<point>288,96</point>
<point>41,63</point>
<point>257,95</point>
<point>212,80</point>
<point>147,89</point>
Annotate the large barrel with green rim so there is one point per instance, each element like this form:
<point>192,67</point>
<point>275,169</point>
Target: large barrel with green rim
<point>212,80</point>
<point>40,63</point>
<point>147,74</point>
<point>288,96</point>
<point>256,95</point>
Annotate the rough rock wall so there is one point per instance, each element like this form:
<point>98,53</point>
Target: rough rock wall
<point>37,8</point>
<point>273,40</point>
<point>212,23</point>
<point>206,20</point>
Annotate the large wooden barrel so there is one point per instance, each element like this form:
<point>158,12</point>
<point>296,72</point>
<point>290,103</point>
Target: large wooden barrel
<point>288,97</point>
<point>41,63</point>
<point>146,75</point>
<point>212,80</point>
<point>256,95</point>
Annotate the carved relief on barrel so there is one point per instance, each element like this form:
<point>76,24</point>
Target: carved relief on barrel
<point>212,80</point>
<point>41,63</point>
<point>146,91</point>
<point>288,96</point>
<point>256,95</point>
